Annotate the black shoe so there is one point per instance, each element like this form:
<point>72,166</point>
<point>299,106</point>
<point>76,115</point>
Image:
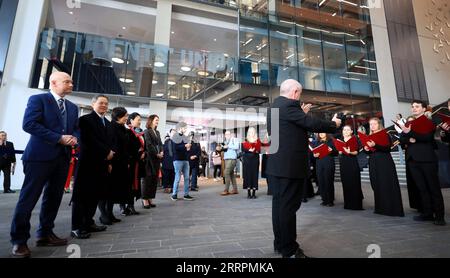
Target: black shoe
<point>305,200</point>
<point>439,222</point>
<point>249,196</point>
<point>330,205</point>
<point>188,198</point>
<point>80,234</point>
<point>125,211</point>
<point>423,218</point>
<point>132,210</point>
<point>152,205</point>
<point>254,194</point>
<point>299,254</point>
<point>9,191</point>
<point>194,189</point>
<point>95,228</point>
<point>323,204</point>
<point>115,220</point>
<point>174,197</point>
<point>105,221</point>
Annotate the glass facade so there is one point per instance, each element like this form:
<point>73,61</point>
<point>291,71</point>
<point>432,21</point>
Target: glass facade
<point>7,14</point>
<point>236,60</point>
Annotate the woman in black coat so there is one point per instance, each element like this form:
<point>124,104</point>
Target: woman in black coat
<point>137,160</point>
<point>383,176</point>
<point>154,154</point>
<point>119,186</point>
<point>326,170</point>
<point>350,173</point>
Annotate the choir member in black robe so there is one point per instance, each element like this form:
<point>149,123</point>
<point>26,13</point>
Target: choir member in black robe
<point>423,163</point>
<point>413,191</point>
<point>350,174</point>
<point>383,176</point>
<point>326,170</point>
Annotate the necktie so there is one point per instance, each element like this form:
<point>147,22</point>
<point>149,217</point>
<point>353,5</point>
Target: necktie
<point>62,109</point>
<point>103,121</point>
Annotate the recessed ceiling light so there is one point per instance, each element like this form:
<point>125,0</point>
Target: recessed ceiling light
<point>171,83</point>
<point>118,60</point>
<point>173,97</point>
<point>126,80</point>
<point>124,28</point>
<point>172,32</point>
<point>131,93</point>
<point>159,95</point>
<point>71,13</point>
<point>186,86</point>
<point>215,40</point>
<point>203,73</point>
<point>159,64</point>
<point>185,68</point>
<point>225,54</point>
<point>155,82</point>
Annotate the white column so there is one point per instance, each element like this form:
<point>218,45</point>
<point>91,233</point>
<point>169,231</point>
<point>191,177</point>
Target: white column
<point>163,23</point>
<point>15,90</point>
<point>388,90</point>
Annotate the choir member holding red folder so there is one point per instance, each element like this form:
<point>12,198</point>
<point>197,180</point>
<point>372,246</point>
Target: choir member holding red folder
<point>415,200</point>
<point>383,175</point>
<point>423,164</point>
<point>349,168</point>
<point>325,167</point>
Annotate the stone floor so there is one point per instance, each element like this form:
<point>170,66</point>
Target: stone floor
<point>213,226</point>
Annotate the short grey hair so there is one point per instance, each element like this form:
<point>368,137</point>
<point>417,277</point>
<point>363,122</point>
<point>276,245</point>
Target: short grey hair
<point>288,86</point>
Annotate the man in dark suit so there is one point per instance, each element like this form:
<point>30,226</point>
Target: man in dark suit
<point>445,130</point>
<point>94,167</point>
<point>52,122</point>
<point>423,164</point>
<point>7,161</point>
<point>287,165</point>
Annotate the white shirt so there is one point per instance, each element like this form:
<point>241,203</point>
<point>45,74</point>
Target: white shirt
<point>57,98</point>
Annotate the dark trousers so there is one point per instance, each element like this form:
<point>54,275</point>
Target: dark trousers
<point>286,200</point>
<point>6,169</point>
<point>325,173</point>
<point>202,170</point>
<point>168,176</point>
<point>48,177</point>
<point>83,212</point>
<point>194,177</point>
<point>106,209</point>
<point>426,178</point>
<point>217,168</point>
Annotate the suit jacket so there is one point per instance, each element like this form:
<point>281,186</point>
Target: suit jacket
<point>9,155</point>
<point>44,122</point>
<point>424,148</point>
<point>95,144</point>
<point>291,158</point>
<point>195,150</point>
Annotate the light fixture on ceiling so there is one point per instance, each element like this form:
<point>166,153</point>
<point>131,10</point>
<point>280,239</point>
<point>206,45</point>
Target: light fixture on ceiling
<point>155,82</point>
<point>131,93</point>
<point>172,32</point>
<point>171,83</point>
<point>126,80</point>
<point>173,97</point>
<point>203,73</point>
<point>186,86</point>
<point>159,95</point>
<point>185,68</point>
<point>159,64</point>
<point>71,13</point>
<point>215,40</point>
<point>118,60</point>
<point>124,28</point>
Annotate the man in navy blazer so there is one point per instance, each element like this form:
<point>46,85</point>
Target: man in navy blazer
<point>52,122</point>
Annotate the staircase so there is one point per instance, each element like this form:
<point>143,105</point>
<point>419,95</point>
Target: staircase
<point>401,170</point>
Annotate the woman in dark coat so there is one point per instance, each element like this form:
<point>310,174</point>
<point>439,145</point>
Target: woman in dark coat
<point>137,160</point>
<point>154,155</point>
<point>350,173</point>
<point>168,171</point>
<point>250,166</point>
<point>119,188</point>
<point>326,170</point>
<point>383,176</point>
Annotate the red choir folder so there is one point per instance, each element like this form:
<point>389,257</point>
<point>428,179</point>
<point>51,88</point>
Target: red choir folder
<point>421,125</point>
<point>444,118</point>
<point>322,150</point>
<point>352,144</point>
<point>380,138</point>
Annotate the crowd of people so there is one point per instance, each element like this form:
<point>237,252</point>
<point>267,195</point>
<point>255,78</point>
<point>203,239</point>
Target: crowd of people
<point>120,163</point>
